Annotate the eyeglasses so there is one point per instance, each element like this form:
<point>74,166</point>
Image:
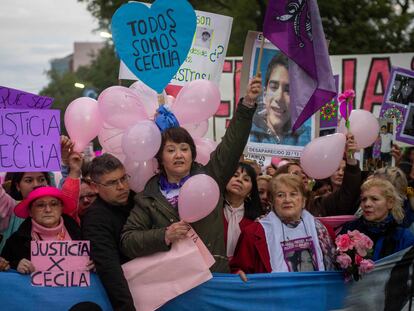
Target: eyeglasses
<point>43,205</point>
<point>113,183</point>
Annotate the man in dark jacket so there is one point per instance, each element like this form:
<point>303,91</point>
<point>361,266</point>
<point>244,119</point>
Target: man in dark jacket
<point>102,225</point>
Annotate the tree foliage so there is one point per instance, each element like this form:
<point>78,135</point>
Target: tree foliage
<point>352,26</point>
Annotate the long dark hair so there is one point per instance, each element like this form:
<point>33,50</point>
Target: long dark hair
<point>252,205</point>
<point>14,179</point>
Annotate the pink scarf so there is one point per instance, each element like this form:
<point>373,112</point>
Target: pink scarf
<point>58,233</point>
<point>233,217</point>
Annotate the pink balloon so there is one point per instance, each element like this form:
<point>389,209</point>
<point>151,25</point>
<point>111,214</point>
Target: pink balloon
<point>323,155</point>
<point>110,138</point>
<point>141,141</point>
<point>197,130</point>
<point>275,161</point>
<point>83,121</point>
<point>196,102</point>
<point>198,197</point>
<point>204,147</point>
<point>141,172</point>
<point>121,107</point>
<point>120,156</point>
<point>363,125</point>
<point>147,96</point>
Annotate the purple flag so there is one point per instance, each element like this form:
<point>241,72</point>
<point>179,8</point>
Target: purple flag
<point>295,27</point>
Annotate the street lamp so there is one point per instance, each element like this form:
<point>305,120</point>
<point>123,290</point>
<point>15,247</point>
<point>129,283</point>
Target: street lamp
<point>79,85</point>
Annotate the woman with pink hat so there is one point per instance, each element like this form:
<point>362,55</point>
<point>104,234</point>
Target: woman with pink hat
<point>45,211</point>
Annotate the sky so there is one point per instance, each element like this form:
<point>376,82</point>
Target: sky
<point>33,32</point>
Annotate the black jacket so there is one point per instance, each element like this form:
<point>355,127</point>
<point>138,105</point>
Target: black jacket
<point>102,225</point>
<point>17,245</point>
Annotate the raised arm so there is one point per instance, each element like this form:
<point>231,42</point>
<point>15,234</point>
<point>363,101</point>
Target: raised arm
<point>223,161</point>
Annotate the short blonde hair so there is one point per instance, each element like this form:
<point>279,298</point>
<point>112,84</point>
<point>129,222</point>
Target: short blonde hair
<point>267,178</point>
<point>390,193</point>
<point>289,180</point>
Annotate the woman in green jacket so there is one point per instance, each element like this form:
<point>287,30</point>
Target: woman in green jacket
<point>154,223</point>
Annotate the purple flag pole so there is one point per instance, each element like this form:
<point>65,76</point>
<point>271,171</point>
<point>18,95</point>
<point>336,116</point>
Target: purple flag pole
<point>295,27</point>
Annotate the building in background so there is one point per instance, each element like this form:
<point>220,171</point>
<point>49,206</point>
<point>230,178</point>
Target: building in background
<point>83,54</point>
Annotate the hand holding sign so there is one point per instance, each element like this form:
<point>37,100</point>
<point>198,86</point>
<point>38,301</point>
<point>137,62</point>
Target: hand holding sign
<point>154,42</point>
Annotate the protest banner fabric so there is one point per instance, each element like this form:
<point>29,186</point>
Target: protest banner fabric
<point>17,99</point>
<point>30,140</point>
<point>206,56</point>
<point>387,287</point>
<point>60,263</point>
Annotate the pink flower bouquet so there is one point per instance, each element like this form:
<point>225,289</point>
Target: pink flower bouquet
<point>353,252</point>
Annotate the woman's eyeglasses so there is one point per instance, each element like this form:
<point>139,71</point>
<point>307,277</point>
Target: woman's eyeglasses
<point>43,205</point>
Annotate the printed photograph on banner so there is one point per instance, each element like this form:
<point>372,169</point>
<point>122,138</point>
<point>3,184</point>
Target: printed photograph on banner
<point>203,37</point>
<point>408,125</point>
<point>402,89</point>
<point>271,132</point>
<point>378,155</point>
<point>398,104</point>
<point>205,59</point>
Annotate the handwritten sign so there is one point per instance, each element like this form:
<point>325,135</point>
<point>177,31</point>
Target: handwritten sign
<point>205,59</point>
<point>30,140</point>
<point>16,99</point>
<point>60,263</point>
<point>154,42</point>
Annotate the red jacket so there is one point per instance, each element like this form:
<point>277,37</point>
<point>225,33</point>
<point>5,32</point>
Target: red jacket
<point>242,224</point>
<point>251,254</point>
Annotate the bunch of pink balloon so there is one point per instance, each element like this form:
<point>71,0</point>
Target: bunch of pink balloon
<point>198,197</point>
<point>323,155</point>
<point>363,125</point>
<point>140,171</point>
<point>82,121</point>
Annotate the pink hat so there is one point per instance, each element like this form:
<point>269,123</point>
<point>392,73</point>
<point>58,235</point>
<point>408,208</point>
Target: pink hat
<point>22,209</point>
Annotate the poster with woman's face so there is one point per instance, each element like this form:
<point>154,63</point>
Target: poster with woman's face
<point>271,132</point>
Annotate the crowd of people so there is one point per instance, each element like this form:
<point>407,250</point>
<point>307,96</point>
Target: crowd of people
<point>266,220</point>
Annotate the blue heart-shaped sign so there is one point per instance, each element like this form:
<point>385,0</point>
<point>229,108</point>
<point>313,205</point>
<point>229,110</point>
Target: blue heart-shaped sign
<point>154,42</point>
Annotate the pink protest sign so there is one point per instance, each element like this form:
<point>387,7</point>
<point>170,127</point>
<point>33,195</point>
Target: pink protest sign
<point>16,99</point>
<point>30,140</point>
<point>60,263</point>
<point>168,274</point>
